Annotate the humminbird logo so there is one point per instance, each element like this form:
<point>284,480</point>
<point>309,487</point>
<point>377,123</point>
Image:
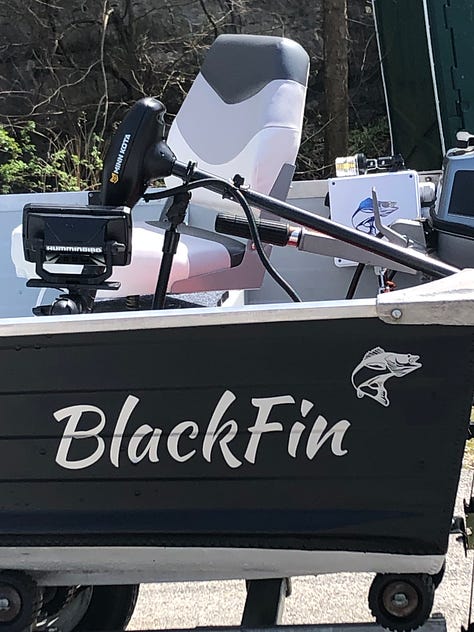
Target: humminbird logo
<point>118,163</point>
<point>73,249</point>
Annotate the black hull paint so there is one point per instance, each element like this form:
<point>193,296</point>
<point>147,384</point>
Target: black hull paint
<point>388,484</point>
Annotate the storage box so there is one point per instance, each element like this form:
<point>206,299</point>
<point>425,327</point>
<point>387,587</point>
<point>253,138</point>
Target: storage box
<point>350,201</point>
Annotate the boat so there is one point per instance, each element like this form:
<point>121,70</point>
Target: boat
<point>146,437</point>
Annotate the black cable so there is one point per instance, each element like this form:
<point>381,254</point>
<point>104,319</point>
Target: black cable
<point>355,281</point>
<point>259,248</point>
<point>358,273</point>
<point>183,188</point>
<point>233,191</point>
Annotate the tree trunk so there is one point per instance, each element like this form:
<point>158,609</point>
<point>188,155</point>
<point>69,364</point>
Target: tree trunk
<point>335,81</point>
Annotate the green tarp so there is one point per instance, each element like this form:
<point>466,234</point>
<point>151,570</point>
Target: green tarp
<point>425,62</point>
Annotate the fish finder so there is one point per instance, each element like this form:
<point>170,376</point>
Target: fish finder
<point>84,241</point>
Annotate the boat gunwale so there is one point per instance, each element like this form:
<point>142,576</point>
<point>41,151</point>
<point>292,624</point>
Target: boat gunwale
<point>192,317</point>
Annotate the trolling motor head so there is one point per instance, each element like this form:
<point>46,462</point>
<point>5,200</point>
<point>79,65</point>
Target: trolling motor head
<point>137,155</point>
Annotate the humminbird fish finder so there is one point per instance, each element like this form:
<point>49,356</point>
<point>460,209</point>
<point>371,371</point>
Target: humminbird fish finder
<point>95,237</point>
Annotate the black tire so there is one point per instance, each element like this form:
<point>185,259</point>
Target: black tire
<point>102,608</point>
<point>25,601</point>
<point>110,608</point>
<point>414,593</point>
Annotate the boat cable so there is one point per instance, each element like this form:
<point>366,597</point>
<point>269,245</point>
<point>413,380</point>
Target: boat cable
<point>232,190</point>
<point>355,281</point>
<point>259,248</point>
<point>351,290</point>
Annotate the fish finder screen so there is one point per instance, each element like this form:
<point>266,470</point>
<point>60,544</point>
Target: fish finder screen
<point>462,194</point>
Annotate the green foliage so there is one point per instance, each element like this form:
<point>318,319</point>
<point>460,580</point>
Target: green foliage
<point>62,166</point>
<point>372,139</point>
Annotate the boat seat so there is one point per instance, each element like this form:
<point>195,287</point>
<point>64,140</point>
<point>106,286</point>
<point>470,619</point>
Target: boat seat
<point>199,254</point>
<point>243,114</point>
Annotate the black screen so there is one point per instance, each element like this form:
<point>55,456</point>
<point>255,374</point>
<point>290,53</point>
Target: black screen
<point>462,195</point>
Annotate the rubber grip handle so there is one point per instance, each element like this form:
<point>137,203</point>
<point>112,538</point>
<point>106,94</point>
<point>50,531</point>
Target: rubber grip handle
<point>270,232</point>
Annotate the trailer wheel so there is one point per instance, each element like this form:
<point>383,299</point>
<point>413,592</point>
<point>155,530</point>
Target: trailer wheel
<point>20,601</point>
<point>401,602</point>
<point>92,608</point>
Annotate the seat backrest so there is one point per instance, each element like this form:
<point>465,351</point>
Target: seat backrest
<point>244,113</point>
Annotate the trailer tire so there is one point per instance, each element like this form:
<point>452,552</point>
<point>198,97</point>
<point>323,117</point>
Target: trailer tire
<point>23,601</point>
<point>102,608</point>
<point>110,608</point>
<point>401,602</point>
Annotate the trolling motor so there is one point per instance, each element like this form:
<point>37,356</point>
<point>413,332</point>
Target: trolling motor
<point>88,241</point>
<point>139,154</point>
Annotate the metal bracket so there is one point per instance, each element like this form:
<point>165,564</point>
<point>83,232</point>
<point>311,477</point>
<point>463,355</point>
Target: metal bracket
<point>94,198</point>
<point>265,602</point>
<point>460,526</point>
<point>391,235</point>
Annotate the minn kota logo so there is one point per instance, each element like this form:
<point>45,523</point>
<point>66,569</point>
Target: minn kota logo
<point>114,178</point>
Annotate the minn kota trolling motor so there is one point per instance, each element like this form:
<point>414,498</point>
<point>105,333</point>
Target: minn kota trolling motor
<point>91,240</point>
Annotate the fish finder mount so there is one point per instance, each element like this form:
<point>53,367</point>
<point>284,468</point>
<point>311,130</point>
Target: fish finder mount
<point>75,248</point>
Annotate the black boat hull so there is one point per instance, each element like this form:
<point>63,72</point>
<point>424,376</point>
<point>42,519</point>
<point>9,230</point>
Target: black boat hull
<point>266,431</point>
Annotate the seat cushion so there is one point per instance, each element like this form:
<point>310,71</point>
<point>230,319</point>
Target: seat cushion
<point>199,252</point>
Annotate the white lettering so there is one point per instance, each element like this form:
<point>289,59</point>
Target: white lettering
<point>146,442</point>
<point>295,436</point>
<point>298,428</point>
<point>175,436</point>
<point>121,154</point>
<point>151,448</point>
<point>74,249</point>
<point>125,413</point>
<point>264,405</point>
<point>74,413</point>
<point>317,437</point>
<point>214,431</point>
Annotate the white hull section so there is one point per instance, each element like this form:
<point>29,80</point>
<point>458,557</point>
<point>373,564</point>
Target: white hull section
<point>115,565</point>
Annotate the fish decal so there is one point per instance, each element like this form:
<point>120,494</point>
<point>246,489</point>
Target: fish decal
<point>388,364</point>
<point>363,218</point>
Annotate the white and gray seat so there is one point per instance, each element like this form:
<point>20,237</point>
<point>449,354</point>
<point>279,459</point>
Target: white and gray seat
<point>243,114</point>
